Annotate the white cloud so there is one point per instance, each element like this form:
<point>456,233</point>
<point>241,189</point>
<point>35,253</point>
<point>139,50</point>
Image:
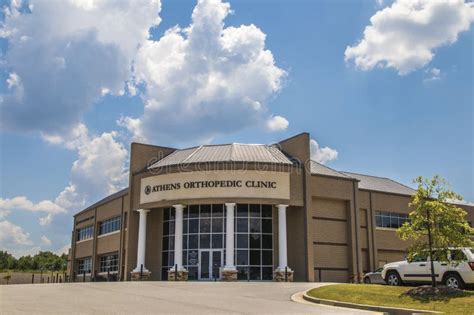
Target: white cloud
<point>432,74</point>
<point>45,241</point>
<point>204,80</point>
<point>101,169</point>
<point>63,250</point>
<point>321,155</point>
<point>277,123</point>
<point>44,221</point>
<point>11,234</point>
<point>405,35</point>
<point>4,213</point>
<point>62,55</point>
<point>22,203</point>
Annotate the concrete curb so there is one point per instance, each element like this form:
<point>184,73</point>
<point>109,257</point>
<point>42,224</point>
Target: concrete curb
<point>365,307</point>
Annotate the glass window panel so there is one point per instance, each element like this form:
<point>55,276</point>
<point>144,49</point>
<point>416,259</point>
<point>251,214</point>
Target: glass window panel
<point>165,242</point>
<point>193,241</point>
<point>194,211</point>
<point>266,226</point>
<point>394,222</point>
<point>255,226</point>
<point>164,259</point>
<point>185,257</point>
<point>217,225</point>
<point>185,213</point>
<point>171,258</point>
<point>171,243</point>
<point>242,273</point>
<point>378,221</point>
<point>242,241</point>
<point>266,211</point>
<point>242,210</point>
<point>193,226</point>
<point>166,214</point>
<point>192,273</point>
<point>242,225</point>
<point>255,257</point>
<point>205,211</point>
<point>254,240</point>
<point>255,273</point>
<point>267,241</point>
<point>172,213</point>
<point>267,273</point>
<point>205,225</point>
<point>193,257</point>
<point>185,226</point>
<point>217,210</point>
<point>242,257</point>
<point>217,241</point>
<point>185,242</point>
<point>172,226</point>
<point>254,211</point>
<point>205,241</point>
<point>267,257</point>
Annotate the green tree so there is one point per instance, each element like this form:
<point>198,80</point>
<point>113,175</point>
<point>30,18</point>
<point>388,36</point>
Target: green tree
<point>7,261</point>
<point>435,224</point>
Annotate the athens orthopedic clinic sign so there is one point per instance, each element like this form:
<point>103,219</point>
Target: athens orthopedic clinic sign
<point>215,184</point>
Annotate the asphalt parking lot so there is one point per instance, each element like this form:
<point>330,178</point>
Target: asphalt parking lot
<point>161,297</point>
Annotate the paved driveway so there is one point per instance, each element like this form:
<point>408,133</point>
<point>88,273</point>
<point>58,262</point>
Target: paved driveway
<point>161,297</point>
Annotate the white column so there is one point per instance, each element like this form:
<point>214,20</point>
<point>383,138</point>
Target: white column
<point>229,239</point>
<point>141,241</point>
<point>282,246</point>
<point>178,237</point>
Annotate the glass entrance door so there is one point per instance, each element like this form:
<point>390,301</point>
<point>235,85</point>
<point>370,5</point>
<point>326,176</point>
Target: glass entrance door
<point>209,264</point>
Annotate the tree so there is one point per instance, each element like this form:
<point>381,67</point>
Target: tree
<point>435,224</point>
<point>7,261</point>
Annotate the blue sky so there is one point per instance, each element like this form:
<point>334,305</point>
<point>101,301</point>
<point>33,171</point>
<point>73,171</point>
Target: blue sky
<point>402,117</point>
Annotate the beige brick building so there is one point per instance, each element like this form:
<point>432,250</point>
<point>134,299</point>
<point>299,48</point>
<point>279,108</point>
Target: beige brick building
<point>237,211</point>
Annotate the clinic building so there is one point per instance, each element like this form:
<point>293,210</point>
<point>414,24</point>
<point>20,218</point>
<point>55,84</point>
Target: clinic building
<point>240,212</point>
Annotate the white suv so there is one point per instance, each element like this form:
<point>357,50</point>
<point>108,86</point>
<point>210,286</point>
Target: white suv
<point>455,273</point>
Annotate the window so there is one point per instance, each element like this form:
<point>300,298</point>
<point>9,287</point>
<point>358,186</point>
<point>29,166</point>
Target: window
<point>204,228</point>
<point>392,220</point>
<point>109,226</point>
<point>109,263</point>
<point>84,265</point>
<point>85,233</point>
<point>253,248</point>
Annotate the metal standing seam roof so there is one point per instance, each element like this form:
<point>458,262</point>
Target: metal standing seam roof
<point>320,169</point>
<point>234,152</point>
<point>382,184</point>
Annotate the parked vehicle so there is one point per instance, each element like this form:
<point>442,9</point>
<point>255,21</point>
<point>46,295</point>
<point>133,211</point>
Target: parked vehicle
<point>374,277</point>
<point>456,271</point>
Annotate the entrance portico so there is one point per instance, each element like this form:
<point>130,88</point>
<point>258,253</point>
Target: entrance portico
<point>221,241</point>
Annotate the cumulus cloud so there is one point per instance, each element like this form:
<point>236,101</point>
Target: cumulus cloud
<point>204,80</point>
<point>11,234</point>
<point>405,35</point>
<point>277,123</point>
<point>321,155</point>
<point>101,169</point>
<point>4,213</point>
<point>62,55</point>
<point>21,202</point>
<point>45,241</point>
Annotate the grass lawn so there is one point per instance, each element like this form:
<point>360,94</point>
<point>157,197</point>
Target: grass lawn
<point>391,296</point>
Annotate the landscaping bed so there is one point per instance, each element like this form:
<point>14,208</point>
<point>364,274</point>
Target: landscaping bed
<point>379,295</point>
